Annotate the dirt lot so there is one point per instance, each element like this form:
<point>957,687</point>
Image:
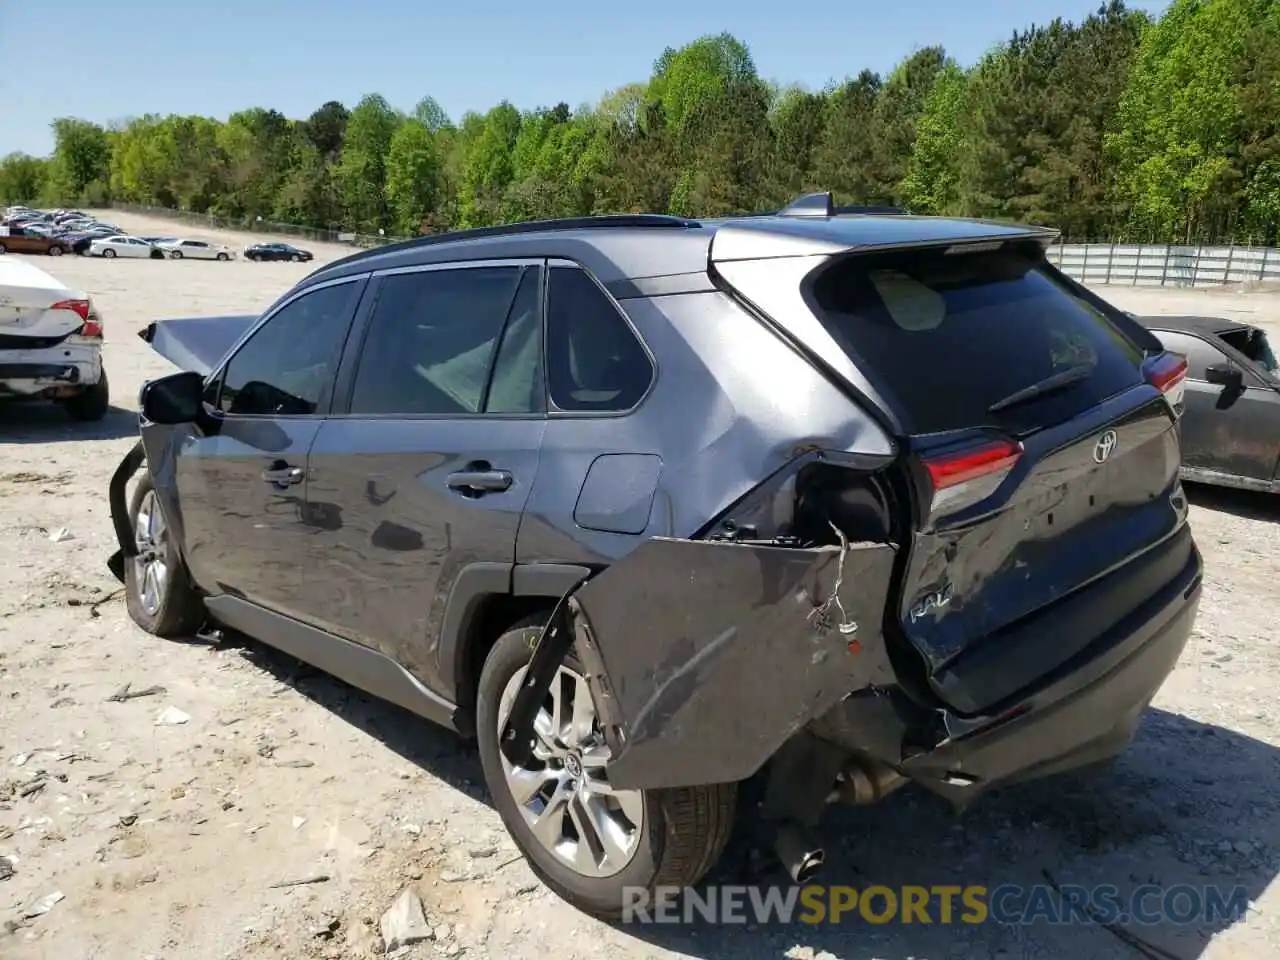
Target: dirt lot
<point>172,840</point>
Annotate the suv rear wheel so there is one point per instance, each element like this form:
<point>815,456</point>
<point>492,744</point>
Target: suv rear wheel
<point>585,840</point>
<point>158,593</point>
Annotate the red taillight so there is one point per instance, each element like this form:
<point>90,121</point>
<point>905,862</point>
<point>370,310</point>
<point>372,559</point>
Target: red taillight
<point>963,477</point>
<point>1167,372</point>
<point>92,326</point>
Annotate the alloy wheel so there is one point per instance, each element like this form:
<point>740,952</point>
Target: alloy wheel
<point>565,796</point>
<point>152,537</point>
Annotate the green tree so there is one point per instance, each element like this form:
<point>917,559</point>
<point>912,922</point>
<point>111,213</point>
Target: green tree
<point>81,160</point>
<point>413,177</point>
<point>932,181</point>
<point>22,178</point>
<point>361,173</point>
<point>1180,124</point>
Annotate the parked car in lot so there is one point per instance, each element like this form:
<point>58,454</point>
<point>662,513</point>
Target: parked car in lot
<point>50,342</point>
<point>195,250</point>
<point>1231,422</point>
<point>29,240</point>
<point>119,246</point>
<point>277,251</point>
<point>654,506</point>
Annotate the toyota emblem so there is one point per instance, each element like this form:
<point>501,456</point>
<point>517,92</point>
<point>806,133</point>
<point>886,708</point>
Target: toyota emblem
<point>1105,445</point>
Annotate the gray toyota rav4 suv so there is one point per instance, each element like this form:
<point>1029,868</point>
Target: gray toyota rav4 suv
<point>821,501</point>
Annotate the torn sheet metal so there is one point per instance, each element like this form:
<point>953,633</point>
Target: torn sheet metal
<point>704,657</point>
<point>196,343</point>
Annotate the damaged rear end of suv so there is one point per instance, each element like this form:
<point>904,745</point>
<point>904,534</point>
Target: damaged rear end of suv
<point>823,501</point>
<point>989,586</point>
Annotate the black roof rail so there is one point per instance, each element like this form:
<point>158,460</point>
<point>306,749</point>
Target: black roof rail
<point>613,220</point>
<point>870,210</point>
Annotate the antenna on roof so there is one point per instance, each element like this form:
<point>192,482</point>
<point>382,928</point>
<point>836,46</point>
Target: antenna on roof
<point>810,205</point>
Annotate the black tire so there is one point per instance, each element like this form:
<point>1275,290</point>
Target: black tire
<point>296,259</point>
<point>181,611</point>
<point>92,403</point>
<point>223,257</point>
<point>176,255</point>
<point>109,253</point>
<point>57,250</point>
<point>684,831</point>
<point>3,249</point>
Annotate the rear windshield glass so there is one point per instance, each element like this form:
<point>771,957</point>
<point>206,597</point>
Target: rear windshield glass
<point>944,337</point>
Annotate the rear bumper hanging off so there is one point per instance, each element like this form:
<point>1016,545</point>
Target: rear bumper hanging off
<point>120,510</point>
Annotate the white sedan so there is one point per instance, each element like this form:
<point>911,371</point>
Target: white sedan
<point>196,250</point>
<point>120,247</point>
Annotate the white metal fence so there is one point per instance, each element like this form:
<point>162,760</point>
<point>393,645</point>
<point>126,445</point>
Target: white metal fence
<point>1166,265</point>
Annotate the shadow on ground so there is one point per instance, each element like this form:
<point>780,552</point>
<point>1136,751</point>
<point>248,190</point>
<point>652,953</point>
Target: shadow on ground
<point>45,422</point>
<point>1192,811</point>
<point>1246,504</point>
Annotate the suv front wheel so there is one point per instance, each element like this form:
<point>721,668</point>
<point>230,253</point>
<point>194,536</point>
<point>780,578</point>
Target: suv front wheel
<point>158,593</point>
<point>593,845</point>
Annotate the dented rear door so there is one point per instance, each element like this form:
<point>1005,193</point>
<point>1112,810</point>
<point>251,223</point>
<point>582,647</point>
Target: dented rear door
<point>704,657</point>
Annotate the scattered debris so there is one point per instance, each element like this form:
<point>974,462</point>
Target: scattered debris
<point>128,820</point>
<point>6,868</point>
<point>405,923</point>
<point>296,764</point>
<point>326,929</point>
<point>93,607</point>
<point>61,535</point>
<point>298,821</point>
<point>301,881</point>
<point>32,787</point>
<point>482,853</point>
<point>43,905</point>
<point>20,759</point>
<point>128,693</point>
<point>171,716</point>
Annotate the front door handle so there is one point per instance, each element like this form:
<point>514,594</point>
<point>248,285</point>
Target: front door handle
<point>480,481</point>
<point>282,476</point>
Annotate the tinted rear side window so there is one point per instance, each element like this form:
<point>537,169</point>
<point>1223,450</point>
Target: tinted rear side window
<point>945,337</point>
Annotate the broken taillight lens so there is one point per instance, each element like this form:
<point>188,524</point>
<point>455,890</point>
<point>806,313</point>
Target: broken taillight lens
<point>1167,372</point>
<point>961,478</point>
<point>92,325</point>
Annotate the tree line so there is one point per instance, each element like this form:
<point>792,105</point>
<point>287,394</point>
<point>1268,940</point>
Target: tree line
<point>1120,127</point>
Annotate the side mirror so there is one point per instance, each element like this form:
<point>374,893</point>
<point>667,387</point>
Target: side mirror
<point>1224,375</point>
<point>177,398</point>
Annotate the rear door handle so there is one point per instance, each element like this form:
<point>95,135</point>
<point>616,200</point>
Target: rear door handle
<point>283,476</point>
<point>486,481</point>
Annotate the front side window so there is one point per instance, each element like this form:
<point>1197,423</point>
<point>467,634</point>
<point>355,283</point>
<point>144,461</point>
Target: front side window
<point>287,367</point>
<point>1253,343</point>
<point>594,361</point>
<point>432,340</point>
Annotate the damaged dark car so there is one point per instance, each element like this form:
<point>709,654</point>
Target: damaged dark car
<point>826,501</point>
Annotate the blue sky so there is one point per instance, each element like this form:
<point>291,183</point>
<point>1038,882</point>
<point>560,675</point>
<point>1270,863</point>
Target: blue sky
<point>110,60</point>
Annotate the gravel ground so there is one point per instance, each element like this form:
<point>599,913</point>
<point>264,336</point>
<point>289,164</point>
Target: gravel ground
<point>177,840</point>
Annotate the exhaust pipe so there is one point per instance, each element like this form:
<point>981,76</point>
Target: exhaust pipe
<point>864,783</point>
<point>799,851</point>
